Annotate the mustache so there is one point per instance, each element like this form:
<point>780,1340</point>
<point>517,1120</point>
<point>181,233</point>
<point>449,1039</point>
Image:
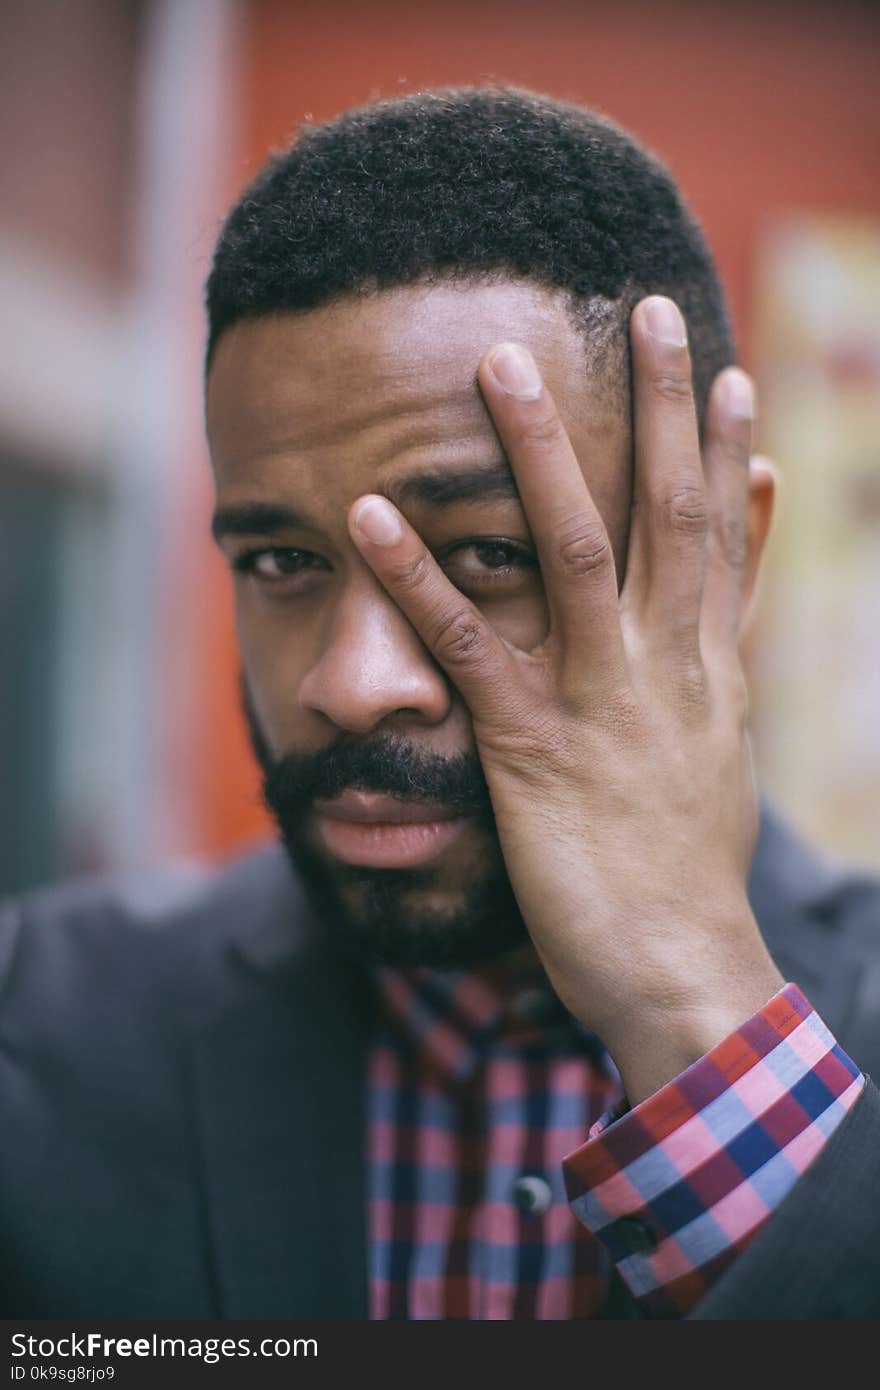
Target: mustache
<point>392,767</point>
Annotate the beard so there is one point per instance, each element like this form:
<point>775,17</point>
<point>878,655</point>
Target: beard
<point>393,916</point>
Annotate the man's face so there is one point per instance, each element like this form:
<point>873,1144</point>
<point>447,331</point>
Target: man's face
<point>346,709</point>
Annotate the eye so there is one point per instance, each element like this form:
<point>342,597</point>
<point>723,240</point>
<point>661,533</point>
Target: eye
<point>279,567</point>
<point>480,565</point>
<point>483,564</point>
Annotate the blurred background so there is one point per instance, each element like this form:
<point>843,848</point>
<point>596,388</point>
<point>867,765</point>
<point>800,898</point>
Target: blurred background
<point>132,124</point>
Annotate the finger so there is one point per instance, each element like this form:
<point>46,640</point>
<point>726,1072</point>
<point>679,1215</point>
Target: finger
<point>574,550</point>
<point>666,559</point>
<point>453,629</point>
<point>727,448</point>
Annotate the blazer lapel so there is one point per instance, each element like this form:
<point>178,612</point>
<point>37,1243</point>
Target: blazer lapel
<point>279,1101</point>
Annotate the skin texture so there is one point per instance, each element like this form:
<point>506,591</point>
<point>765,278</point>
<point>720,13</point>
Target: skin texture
<point>610,725</point>
<point>313,410</point>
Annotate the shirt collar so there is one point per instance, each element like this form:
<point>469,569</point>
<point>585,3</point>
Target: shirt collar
<point>452,1018</point>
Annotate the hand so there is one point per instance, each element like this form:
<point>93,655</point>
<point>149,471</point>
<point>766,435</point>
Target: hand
<point>616,753</point>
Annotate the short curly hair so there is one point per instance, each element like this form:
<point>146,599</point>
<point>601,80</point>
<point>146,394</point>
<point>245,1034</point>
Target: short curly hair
<point>464,184</point>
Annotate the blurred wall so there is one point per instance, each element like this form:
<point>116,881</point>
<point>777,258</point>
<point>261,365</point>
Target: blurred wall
<point>66,172</point>
<point>68,118</point>
<point>130,125</point>
<point>757,108</point>
<point>118,119</point>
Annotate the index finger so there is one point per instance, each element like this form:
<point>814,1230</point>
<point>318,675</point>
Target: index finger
<point>459,637</point>
<point>574,549</point>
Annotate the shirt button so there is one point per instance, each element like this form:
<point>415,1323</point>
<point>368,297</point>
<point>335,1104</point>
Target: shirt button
<point>637,1236</point>
<point>531,1195</point>
<point>533,1005</point>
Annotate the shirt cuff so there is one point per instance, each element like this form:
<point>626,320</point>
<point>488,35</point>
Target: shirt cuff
<point>676,1187</point>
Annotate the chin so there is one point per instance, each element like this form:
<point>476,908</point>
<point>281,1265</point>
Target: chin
<point>404,917</point>
<point>437,945</point>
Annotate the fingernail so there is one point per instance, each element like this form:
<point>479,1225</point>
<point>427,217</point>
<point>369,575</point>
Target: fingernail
<point>738,394</point>
<point>665,322</point>
<point>378,521</point>
<point>515,371</point>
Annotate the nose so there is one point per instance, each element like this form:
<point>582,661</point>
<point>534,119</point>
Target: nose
<point>373,665</point>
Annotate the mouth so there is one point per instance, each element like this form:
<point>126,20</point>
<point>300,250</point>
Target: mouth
<point>384,832</point>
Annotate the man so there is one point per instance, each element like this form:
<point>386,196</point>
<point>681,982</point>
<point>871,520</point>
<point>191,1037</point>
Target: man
<point>510,1030</point>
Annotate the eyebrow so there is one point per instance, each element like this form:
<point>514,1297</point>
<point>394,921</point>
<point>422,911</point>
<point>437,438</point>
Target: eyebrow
<point>437,488</point>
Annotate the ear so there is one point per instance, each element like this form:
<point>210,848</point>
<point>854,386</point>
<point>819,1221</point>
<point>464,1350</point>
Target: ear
<point>763,476</point>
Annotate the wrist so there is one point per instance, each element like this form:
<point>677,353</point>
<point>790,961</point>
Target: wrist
<point>657,1044</point>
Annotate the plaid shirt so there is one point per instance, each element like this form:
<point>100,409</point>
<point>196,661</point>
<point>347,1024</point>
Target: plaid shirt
<point>485,1201</point>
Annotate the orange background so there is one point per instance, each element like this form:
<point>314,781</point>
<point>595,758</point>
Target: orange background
<point>757,110</point>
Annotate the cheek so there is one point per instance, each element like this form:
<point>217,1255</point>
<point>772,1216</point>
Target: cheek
<point>274,657</point>
<point>524,622</point>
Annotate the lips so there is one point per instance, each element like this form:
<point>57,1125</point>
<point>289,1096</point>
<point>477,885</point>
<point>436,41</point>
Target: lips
<point>369,807</point>
<point>386,832</point>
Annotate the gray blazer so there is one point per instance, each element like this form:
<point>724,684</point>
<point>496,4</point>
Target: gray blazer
<point>182,1101</point>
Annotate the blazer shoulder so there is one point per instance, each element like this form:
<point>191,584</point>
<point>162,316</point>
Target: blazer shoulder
<point>820,917</point>
<point>120,924</point>
<point>790,874</point>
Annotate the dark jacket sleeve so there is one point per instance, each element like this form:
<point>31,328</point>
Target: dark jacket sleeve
<point>819,1254</point>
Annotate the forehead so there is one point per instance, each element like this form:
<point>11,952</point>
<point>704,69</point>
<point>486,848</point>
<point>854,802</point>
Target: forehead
<point>373,385</point>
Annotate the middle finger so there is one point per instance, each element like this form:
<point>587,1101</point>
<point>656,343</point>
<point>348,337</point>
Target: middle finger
<point>667,546</point>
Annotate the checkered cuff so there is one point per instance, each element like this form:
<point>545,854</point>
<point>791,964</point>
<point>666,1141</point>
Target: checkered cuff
<point>678,1186</point>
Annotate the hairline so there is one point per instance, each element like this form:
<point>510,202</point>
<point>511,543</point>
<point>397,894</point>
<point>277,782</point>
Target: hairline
<point>598,320</point>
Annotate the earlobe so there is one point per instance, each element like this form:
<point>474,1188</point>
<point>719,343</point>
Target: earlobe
<point>763,480</point>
